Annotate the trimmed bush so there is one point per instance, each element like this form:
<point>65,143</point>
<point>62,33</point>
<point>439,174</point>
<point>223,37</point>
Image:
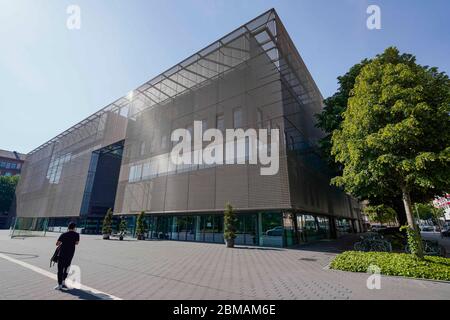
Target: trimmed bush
<point>141,227</point>
<point>229,225</point>
<point>107,224</point>
<point>394,264</point>
<point>373,245</point>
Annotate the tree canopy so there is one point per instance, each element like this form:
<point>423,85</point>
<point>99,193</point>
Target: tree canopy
<point>7,190</point>
<point>427,211</point>
<point>395,132</point>
<point>381,214</point>
<point>331,117</point>
<point>394,139</point>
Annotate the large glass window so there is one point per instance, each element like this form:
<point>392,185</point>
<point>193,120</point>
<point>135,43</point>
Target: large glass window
<point>190,228</point>
<point>343,226</point>
<point>135,173</point>
<point>204,125</point>
<point>220,122</point>
<point>207,223</point>
<point>246,230</point>
<point>259,118</point>
<point>142,151</point>
<point>271,229</point>
<point>163,142</point>
<point>218,229</point>
<point>162,228</point>
<point>324,227</point>
<point>237,118</point>
<point>150,169</point>
<point>312,228</point>
<point>182,228</point>
<point>55,167</point>
<point>240,230</point>
<point>202,228</point>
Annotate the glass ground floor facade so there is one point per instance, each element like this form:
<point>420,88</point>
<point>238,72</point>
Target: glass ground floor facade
<point>266,228</point>
<point>269,228</point>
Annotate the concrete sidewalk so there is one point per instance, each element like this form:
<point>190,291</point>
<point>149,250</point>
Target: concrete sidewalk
<point>184,270</point>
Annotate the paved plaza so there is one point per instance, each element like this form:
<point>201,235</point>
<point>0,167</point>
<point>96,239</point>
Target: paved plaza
<point>187,270</point>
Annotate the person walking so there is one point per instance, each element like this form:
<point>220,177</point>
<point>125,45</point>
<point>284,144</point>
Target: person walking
<point>66,243</point>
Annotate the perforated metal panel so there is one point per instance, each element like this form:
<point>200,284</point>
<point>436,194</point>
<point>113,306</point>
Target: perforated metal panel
<point>54,177</point>
<point>255,69</point>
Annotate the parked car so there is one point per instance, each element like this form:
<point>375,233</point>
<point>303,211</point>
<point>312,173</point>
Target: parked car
<point>426,228</point>
<point>389,231</point>
<point>275,232</point>
<point>377,228</point>
<point>445,233</point>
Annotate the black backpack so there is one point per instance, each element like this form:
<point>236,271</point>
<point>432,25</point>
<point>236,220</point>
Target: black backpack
<point>55,257</point>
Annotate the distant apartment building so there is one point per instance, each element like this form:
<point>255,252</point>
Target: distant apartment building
<point>443,203</point>
<point>11,162</point>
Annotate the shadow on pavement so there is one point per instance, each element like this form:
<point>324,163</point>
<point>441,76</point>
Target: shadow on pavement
<point>258,248</point>
<point>86,295</point>
<point>25,255</point>
<point>345,243</point>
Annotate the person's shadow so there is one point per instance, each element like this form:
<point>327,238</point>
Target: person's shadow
<point>86,295</point>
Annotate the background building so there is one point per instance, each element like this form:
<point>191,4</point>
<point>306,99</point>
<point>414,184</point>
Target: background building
<point>443,203</point>
<point>11,162</point>
<point>119,157</point>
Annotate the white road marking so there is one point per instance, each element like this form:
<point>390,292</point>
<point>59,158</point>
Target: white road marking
<point>95,292</point>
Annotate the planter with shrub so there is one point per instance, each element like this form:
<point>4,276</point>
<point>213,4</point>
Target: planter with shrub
<point>122,228</point>
<point>373,242</point>
<point>141,226</point>
<point>107,224</point>
<point>229,226</point>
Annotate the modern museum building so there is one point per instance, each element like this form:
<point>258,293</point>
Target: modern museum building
<point>120,157</point>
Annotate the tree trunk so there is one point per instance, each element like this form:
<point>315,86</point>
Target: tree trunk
<point>398,206</point>
<point>410,218</point>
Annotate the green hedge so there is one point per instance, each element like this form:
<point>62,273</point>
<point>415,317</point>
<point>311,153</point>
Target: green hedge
<point>394,264</point>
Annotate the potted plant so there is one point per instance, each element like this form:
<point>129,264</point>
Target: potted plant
<point>229,225</point>
<point>140,226</point>
<point>122,228</point>
<point>107,224</point>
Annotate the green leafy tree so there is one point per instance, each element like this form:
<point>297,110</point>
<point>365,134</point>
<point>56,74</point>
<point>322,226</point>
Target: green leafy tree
<point>331,117</point>
<point>381,214</point>
<point>229,223</point>
<point>107,224</point>
<point>7,190</point>
<point>395,135</point>
<point>426,211</point>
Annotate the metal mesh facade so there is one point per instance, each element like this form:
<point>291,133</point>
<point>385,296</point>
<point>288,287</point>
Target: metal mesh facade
<point>54,177</point>
<point>251,78</point>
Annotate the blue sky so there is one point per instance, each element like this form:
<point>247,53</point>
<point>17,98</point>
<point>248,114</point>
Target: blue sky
<point>52,77</point>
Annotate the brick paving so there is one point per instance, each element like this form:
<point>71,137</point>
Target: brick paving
<point>184,270</point>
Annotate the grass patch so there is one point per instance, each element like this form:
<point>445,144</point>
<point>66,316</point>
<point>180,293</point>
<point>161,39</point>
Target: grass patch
<point>394,264</point>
